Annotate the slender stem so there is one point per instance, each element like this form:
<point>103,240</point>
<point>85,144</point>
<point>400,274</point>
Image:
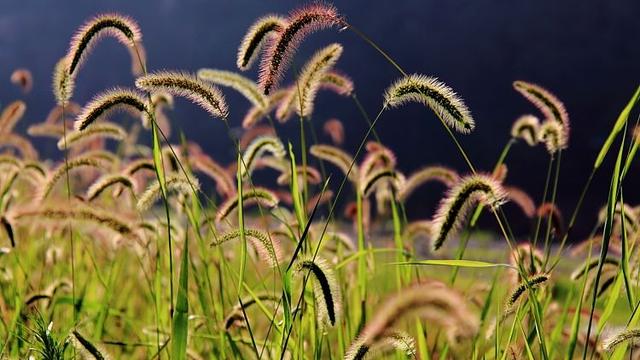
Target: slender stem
<point>554,191</point>
<point>542,201</point>
<point>69,227</point>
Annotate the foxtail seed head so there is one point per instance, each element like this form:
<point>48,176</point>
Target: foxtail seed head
<point>10,116</point>
<point>280,50</point>
<point>337,157</point>
<point>431,173</point>
<point>552,108</point>
<point>267,247</point>
<point>441,306</point>
<point>553,136</point>
<point>325,289</point>
<point>188,86</point>
<point>526,127</point>
<point>63,83</point>
<point>23,79</point>
<point>257,35</point>
<point>617,339</point>
<point>174,183</point>
<point>243,85</point>
<point>257,148</point>
<point>335,130</point>
<point>459,200</point>
<point>103,104</point>
<point>311,76</point>
<point>98,131</point>
<point>434,94</point>
<point>124,29</point>
<point>255,195</point>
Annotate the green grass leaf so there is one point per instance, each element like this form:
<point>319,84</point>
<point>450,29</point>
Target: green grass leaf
<point>459,263</point>
<point>179,325</point>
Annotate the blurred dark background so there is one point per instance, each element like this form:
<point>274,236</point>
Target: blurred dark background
<point>588,55</point>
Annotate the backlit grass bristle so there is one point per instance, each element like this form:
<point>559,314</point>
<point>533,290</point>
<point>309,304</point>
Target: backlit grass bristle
<point>625,335</point>
<point>257,35</point>
<point>188,86</point>
<point>337,157</point>
<point>442,174</point>
<point>337,82</point>
<point>325,289</point>
<point>531,282</point>
<point>522,199</point>
<point>550,106</point>
<point>105,182</point>
<point>63,83</point>
<point>267,247</point>
<point>460,199</point>
<point>20,143</point>
<point>280,49</point>
<point>10,161</point>
<point>416,228</point>
<point>23,79</point>
<point>271,162</point>
<point>85,348</point>
<point>55,114</point>
<point>257,148</point>
<point>134,166</point>
<point>340,238</point>
<point>500,173</point>
<point>112,100</point>
<point>526,127</point>
<point>243,85</point>
<point>286,106</point>
<point>250,135</point>
<point>255,114</point>
<point>631,217</point>
<point>553,136</point>
<point>64,168</point>
<point>46,130</point>
<point>375,178</point>
<point>309,81</point>
<point>124,29</point>
<point>335,130</point>
<point>98,131</point>
<point>75,213</point>
<point>434,94</point>
<point>224,183</point>
<point>255,195</point>
<point>392,340</point>
<point>440,306</point>
<point>378,156</point>
<point>160,101</point>
<point>10,116</point>
<point>174,183</point>
<point>311,175</point>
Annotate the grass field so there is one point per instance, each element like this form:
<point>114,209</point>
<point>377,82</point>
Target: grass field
<point>128,246</point>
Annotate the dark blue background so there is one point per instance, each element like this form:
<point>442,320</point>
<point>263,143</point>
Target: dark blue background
<point>585,52</point>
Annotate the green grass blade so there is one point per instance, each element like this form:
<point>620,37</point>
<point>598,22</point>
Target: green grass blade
<point>180,326</point>
<point>617,127</point>
<point>453,262</point>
